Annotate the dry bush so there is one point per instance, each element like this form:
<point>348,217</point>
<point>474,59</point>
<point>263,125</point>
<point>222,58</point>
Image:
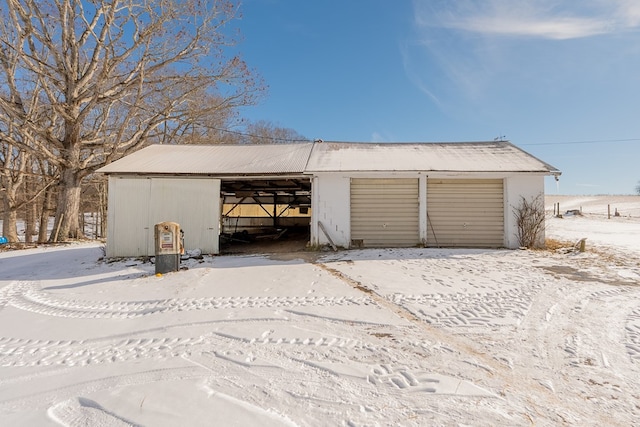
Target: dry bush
<point>530,216</point>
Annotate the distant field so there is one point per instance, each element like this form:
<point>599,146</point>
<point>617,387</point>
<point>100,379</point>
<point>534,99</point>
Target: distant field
<point>628,206</point>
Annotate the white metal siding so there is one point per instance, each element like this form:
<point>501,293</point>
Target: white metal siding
<point>137,204</point>
<point>465,212</point>
<point>384,212</point>
<point>194,204</point>
<point>128,217</point>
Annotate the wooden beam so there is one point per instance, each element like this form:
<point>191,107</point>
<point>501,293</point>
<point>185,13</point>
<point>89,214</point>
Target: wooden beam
<point>324,230</point>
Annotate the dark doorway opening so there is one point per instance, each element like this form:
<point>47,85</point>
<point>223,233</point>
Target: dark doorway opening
<point>265,215</point>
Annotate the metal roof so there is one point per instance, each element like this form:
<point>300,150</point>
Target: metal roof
<point>216,159</point>
<point>219,159</point>
<point>494,156</point>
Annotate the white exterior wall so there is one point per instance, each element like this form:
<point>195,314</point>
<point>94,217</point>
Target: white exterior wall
<point>136,204</point>
<point>331,202</point>
<point>330,198</point>
<point>127,217</point>
<point>515,187</point>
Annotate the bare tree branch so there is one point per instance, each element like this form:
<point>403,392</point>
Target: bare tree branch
<point>530,222</point>
<point>89,82</point>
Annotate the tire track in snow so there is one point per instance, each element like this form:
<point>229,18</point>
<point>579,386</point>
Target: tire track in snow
<point>27,297</point>
<point>323,378</point>
<point>25,352</point>
<point>575,356</point>
<point>291,351</point>
<point>541,396</point>
<point>12,290</point>
<point>632,329</point>
<point>16,352</point>
<point>475,309</point>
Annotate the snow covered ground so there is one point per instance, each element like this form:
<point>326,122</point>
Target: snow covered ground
<point>354,338</point>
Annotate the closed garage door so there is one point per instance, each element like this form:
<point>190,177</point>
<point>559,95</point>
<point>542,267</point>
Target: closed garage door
<point>137,204</point>
<point>127,221</point>
<point>384,212</point>
<point>194,203</point>
<point>465,213</point>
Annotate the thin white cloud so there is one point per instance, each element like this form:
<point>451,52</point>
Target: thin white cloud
<point>559,29</point>
<point>628,12</point>
<point>547,19</point>
<point>470,54</point>
<point>414,76</point>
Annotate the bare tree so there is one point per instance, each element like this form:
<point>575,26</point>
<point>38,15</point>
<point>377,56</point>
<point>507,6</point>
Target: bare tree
<point>208,127</point>
<point>23,184</point>
<point>638,188</point>
<point>114,75</point>
<point>265,132</point>
<point>16,140</point>
<point>215,130</point>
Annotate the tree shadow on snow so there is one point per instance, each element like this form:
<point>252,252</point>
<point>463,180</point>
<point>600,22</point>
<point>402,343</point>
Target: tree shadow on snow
<point>50,263</point>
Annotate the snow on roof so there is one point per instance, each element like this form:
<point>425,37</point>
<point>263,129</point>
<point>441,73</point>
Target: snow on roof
<point>215,159</point>
<point>494,156</point>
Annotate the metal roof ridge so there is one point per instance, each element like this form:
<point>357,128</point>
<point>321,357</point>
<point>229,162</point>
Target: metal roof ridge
<point>410,142</point>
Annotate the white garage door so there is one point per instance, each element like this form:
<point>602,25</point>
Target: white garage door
<point>191,202</point>
<point>128,218</point>
<point>137,204</point>
<point>384,212</point>
<point>465,213</point>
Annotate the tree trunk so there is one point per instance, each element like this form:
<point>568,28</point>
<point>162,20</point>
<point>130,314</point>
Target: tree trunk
<point>66,225</point>
<point>9,221</point>
<point>30,212</point>
<point>29,222</point>
<point>44,215</point>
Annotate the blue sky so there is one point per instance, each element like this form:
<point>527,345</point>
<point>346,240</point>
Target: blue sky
<point>560,79</point>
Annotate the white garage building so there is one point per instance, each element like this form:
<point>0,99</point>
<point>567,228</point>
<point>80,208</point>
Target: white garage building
<point>359,194</point>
